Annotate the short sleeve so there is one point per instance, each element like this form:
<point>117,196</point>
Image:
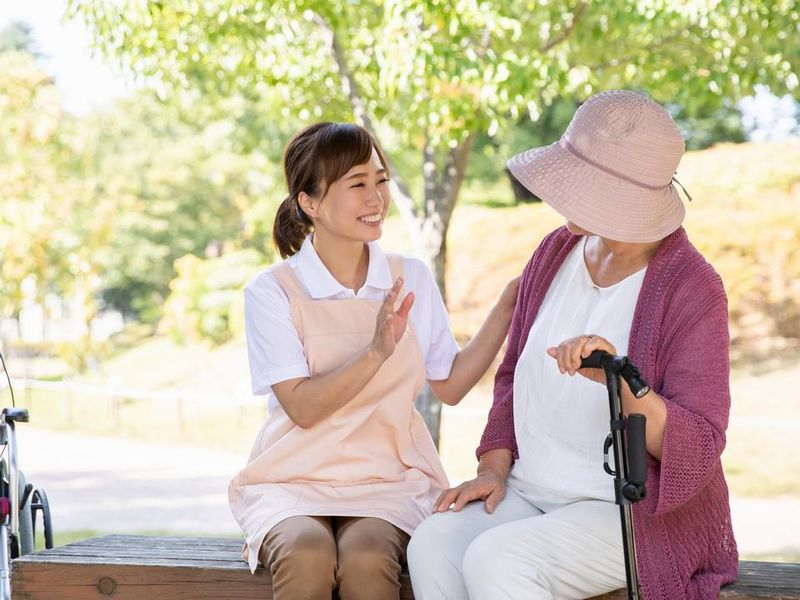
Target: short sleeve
<point>274,349</point>
<point>441,347</point>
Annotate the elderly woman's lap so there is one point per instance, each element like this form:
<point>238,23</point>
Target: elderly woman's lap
<point>437,548</point>
<point>574,551</point>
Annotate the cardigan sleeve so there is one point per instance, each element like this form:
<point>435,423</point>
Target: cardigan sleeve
<point>499,430</point>
<point>538,273</point>
<point>696,391</point>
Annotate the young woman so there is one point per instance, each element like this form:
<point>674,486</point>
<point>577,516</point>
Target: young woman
<point>344,337</point>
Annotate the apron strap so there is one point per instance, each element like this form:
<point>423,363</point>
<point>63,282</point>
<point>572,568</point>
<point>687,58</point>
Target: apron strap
<point>295,291</point>
<point>397,265</point>
<point>290,283</point>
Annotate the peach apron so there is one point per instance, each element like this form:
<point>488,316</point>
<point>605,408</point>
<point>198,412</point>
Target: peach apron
<point>373,457</point>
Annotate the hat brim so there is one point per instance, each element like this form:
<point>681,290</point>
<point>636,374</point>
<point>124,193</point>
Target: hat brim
<point>595,200</point>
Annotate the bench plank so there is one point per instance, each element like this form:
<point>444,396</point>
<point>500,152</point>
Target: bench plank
<point>62,581</point>
<point>756,581</point>
<point>142,567</point>
<point>175,568</point>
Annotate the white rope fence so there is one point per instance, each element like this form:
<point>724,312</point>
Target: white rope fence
<point>114,396</point>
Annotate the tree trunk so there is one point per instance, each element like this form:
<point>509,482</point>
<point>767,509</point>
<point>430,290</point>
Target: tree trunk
<point>429,226</point>
<point>431,410</point>
<point>441,192</point>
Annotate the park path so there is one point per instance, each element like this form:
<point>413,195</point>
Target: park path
<point>123,485</point>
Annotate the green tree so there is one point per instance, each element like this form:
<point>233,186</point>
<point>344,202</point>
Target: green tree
<point>47,233</point>
<point>706,128</point>
<point>36,214</point>
<point>206,301</point>
<point>163,187</point>
<point>18,36</point>
<point>434,75</point>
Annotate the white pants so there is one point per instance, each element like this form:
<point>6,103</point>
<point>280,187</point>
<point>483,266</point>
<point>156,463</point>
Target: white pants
<point>521,551</point>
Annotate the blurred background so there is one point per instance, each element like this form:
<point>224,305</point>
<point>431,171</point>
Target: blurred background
<point>140,146</point>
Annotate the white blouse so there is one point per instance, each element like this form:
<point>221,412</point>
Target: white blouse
<point>274,349</point>
<point>561,421</point>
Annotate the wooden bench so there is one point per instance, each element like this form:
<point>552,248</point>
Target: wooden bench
<point>126,567</point>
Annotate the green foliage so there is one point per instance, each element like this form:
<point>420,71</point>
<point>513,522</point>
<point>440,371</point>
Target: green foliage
<point>487,161</point>
<point>17,36</point>
<point>432,73</point>
<point>42,198</point>
<point>105,205</point>
<point>206,297</point>
<point>99,208</point>
<point>163,188</point>
<point>711,126</point>
<point>80,354</point>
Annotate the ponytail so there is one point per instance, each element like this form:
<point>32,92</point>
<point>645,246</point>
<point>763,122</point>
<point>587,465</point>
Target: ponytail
<point>291,227</point>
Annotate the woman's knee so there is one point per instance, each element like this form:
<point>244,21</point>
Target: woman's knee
<point>487,561</point>
<point>303,548</point>
<point>372,551</point>
<point>426,545</point>
<point>365,564</point>
<point>300,553</point>
<point>370,559</point>
<point>480,561</point>
<point>417,543</point>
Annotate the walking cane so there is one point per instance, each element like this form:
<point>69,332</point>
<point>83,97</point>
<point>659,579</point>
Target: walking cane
<point>630,455</point>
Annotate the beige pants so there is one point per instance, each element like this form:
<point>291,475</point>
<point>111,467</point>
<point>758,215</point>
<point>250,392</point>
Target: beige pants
<point>309,556</point>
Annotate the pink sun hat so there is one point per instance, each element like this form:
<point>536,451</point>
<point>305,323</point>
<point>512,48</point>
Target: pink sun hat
<point>611,173</point>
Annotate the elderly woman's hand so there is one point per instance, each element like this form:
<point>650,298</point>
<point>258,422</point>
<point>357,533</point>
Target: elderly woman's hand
<point>569,354</point>
<point>489,486</point>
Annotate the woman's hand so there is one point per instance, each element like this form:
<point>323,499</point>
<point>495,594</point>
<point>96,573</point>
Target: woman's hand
<point>489,486</point>
<point>569,353</point>
<point>508,299</point>
<point>390,324</point>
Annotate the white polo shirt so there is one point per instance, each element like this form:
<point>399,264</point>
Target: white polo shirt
<point>561,421</point>
<point>274,349</point>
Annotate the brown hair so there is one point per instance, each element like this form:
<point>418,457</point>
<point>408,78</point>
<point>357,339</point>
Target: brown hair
<point>314,158</point>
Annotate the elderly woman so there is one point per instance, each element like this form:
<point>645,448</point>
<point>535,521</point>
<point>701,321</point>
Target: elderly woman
<point>621,276</point>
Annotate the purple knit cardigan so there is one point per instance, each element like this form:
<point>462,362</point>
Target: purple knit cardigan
<point>679,342</point>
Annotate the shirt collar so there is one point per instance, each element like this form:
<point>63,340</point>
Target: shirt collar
<point>321,284</point>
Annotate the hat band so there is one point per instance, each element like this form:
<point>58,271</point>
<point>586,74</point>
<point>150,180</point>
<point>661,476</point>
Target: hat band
<point>572,149</point>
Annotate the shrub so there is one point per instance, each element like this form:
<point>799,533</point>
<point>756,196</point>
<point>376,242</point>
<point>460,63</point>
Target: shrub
<point>205,298</point>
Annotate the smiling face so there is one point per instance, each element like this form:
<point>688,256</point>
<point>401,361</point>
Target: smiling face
<point>354,206</point>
